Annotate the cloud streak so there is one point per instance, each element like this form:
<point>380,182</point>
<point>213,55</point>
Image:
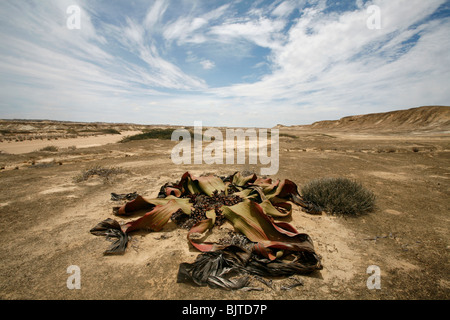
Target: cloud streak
<point>259,64</point>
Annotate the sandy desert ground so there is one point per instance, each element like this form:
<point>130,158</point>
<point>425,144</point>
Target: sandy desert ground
<point>45,218</point>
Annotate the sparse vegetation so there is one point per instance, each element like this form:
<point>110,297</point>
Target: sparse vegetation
<point>72,131</point>
<point>101,131</point>
<point>339,196</point>
<point>387,150</point>
<point>50,149</point>
<point>163,134</point>
<point>110,131</point>
<point>287,135</point>
<point>107,173</point>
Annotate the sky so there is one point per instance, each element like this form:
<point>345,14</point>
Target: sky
<point>225,63</point>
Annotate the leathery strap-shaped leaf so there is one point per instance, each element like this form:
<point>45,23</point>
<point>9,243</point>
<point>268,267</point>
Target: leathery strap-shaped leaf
<point>249,218</point>
<point>207,184</point>
<point>199,229</point>
<point>239,180</point>
<point>264,200</point>
<point>162,210</point>
<point>281,189</point>
<point>154,220</point>
<point>276,209</point>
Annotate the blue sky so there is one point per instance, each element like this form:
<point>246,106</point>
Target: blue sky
<point>225,63</point>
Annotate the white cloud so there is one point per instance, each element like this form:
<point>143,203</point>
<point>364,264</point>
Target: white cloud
<point>286,7</point>
<point>207,64</point>
<point>44,64</point>
<point>155,14</point>
<point>322,64</point>
<point>157,72</point>
<point>325,64</point>
<point>188,29</point>
<point>263,32</point>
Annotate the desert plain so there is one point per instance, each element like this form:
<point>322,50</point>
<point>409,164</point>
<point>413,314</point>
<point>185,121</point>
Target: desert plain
<point>46,214</point>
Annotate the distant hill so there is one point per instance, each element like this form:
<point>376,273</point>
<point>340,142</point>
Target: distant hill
<point>430,118</point>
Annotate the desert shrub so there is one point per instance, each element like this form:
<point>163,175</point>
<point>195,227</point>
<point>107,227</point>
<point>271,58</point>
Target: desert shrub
<point>387,150</point>
<point>287,135</point>
<point>72,131</point>
<point>110,131</point>
<point>104,172</point>
<point>99,131</point>
<point>339,196</point>
<point>50,149</point>
<point>164,134</point>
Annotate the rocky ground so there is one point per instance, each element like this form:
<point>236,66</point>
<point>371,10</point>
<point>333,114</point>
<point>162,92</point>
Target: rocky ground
<point>46,215</point>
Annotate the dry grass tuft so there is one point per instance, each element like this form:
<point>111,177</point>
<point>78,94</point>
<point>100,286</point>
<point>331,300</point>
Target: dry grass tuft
<point>339,196</point>
<point>50,149</point>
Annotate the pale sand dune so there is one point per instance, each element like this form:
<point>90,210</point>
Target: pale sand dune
<point>19,147</point>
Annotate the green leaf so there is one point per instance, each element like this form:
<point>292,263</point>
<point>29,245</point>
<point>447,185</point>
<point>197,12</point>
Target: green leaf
<point>210,184</point>
<point>155,219</point>
<point>239,180</point>
<point>249,218</point>
<point>161,211</point>
<point>198,231</point>
<point>276,209</point>
<point>195,185</point>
